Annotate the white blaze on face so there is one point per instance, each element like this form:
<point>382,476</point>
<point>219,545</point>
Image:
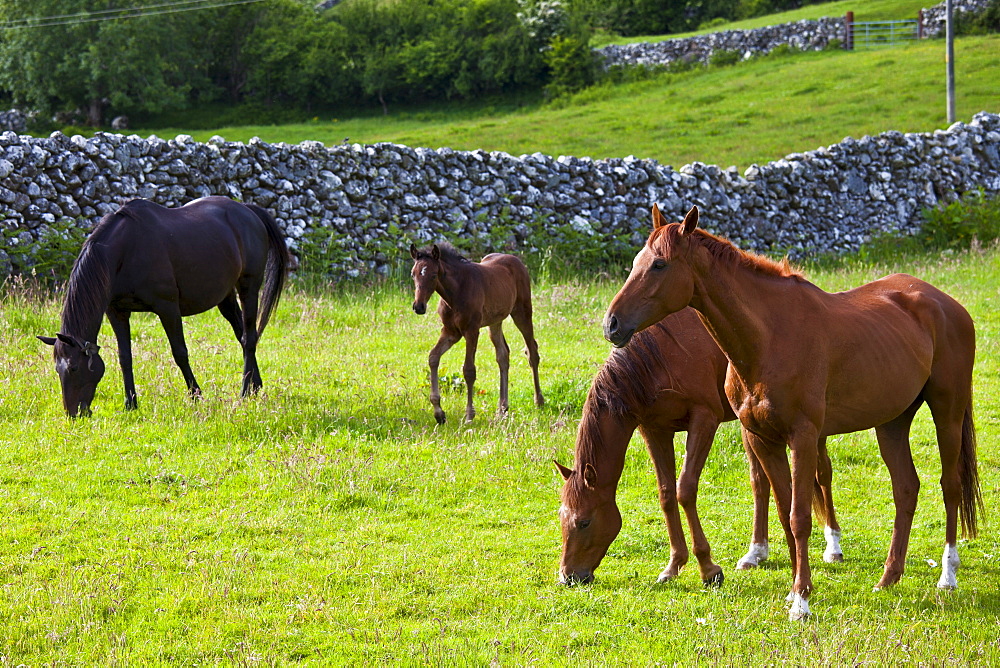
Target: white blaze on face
<point>62,364</point>
<point>423,271</point>
<point>949,568</point>
<point>757,553</point>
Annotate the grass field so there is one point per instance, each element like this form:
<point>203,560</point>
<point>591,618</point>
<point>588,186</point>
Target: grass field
<point>751,113</point>
<point>330,521</point>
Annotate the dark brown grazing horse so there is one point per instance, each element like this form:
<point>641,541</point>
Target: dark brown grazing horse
<point>474,295</point>
<point>806,364</point>
<point>174,263</point>
<point>669,378</point>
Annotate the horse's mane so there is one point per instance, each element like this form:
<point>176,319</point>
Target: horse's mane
<point>89,284</point>
<point>449,254</point>
<point>725,252</point>
<point>625,382</point>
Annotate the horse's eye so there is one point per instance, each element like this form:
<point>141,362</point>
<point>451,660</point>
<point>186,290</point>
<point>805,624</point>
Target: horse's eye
<point>659,263</point>
<point>582,524</point>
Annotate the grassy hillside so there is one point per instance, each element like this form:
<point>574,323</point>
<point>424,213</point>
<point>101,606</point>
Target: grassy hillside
<point>753,112</point>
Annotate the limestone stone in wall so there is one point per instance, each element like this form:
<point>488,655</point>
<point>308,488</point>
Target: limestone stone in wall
<point>373,199</point>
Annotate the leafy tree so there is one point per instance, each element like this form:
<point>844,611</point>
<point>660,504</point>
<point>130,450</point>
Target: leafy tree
<point>125,65</point>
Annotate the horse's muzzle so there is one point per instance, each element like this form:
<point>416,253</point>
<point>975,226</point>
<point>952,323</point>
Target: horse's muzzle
<point>419,308</point>
<point>576,578</point>
<point>615,332</point>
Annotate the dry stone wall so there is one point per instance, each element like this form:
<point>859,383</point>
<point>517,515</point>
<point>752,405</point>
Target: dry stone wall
<point>806,35</point>
<point>373,200</point>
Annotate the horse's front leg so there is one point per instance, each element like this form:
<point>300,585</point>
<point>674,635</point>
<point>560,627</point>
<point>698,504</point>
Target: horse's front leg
<point>123,334</point>
<point>174,327</point>
<point>701,431</point>
<point>803,446</point>
<point>660,443</point>
<point>761,488</point>
<point>447,339</point>
<point>469,370</point>
<point>503,362</point>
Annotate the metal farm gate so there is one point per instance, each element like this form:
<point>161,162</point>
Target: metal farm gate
<point>876,34</point>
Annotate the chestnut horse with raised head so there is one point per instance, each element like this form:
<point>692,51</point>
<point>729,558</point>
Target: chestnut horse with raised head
<point>174,263</point>
<point>806,364</point>
<point>474,295</point>
<point>669,378</point>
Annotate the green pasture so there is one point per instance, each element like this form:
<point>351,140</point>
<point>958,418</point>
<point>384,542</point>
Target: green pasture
<point>753,112</point>
<point>329,521</point>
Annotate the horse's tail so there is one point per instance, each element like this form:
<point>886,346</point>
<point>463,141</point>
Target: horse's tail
<point>972,498</point>
<point>277,267</point>
<point>819,506</point>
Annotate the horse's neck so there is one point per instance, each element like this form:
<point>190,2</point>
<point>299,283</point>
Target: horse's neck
<point>455,274</point>
<point>739,307</point>
<point>602,440</point>
<point>88,294</point>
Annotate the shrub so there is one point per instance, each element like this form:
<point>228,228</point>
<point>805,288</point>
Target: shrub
<point>954,226</point>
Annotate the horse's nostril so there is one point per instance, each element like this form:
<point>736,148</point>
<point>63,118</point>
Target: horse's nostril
<point>613,324</point>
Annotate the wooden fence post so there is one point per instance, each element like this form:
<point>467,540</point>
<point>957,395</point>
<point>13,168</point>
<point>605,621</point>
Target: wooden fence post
<point>849,31</point>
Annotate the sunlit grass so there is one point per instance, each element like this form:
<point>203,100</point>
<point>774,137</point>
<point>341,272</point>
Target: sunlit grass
<point>330,520</point>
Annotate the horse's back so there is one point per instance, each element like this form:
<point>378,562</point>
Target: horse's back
<point>195,253</point>
<point>892,337</point>
<point>506,285</point>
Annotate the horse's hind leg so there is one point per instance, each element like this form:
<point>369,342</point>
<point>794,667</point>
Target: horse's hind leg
<point>174,327</point>
<point>503,361</point>
<point>894,445</point>
<point>701,431</point>
<point>761,488</point>
<point>230,310</point>
<point>521,315</point>
<point>123,334</point>
<point>251,372</point>
<point>447,339</point>
<point>948,422</point>
<point>823,505</point>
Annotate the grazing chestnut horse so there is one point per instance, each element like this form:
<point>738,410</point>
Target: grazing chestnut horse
<point>174,263</point>
<point>806,364</point>
<point>669,378</point>
<point>474,295</point>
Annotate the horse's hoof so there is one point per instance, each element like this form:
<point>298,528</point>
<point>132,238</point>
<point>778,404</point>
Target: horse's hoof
<point>667,575</point>
<point>439,418</point>
<point>837,558</point>
<point>715,580</point>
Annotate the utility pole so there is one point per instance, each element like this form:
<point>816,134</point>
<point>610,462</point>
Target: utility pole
<point>949,38</point>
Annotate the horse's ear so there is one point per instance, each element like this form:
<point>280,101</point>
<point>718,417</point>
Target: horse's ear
<point>690,221</point>
<point>436,252</point>
<point>48,340</point>
<point>69,340</point>
<point>658,219</point>
<point>413,251</point>
<point>589,476</point>
<point>565,472</point>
